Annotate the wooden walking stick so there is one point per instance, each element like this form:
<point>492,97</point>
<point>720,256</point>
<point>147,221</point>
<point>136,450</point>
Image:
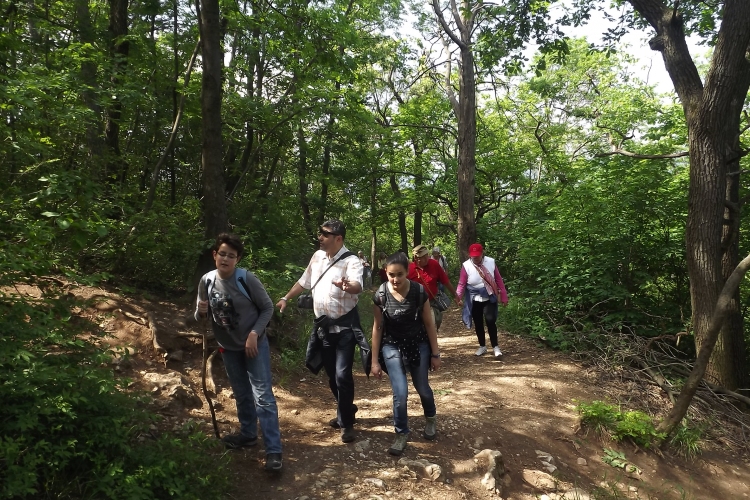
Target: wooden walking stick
<point>204,296</point>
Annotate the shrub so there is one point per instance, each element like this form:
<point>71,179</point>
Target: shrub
<point>605,418</point>
<point>686,440</point>
<point>68,428</point>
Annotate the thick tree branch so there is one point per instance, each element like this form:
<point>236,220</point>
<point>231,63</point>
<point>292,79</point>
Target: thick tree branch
<point>641,156</point>
<point>446,28</point>
<point>457,17</point>
<point>699,369</point>
<point>671,42</point>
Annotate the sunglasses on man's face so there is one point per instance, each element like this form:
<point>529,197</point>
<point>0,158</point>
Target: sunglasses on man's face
<point>326,233</point>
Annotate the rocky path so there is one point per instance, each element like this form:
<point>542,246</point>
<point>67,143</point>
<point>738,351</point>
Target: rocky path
<point>520,408</point>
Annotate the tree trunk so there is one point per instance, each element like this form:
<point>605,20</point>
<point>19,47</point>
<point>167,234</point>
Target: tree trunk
<point>89,69</point>
<point>467,137</point>
<point>119,47</point>
<point>214,188</point>
<point>712,112</point>
<point>418,188</point>
<point>465,109</point>
<point>326,166</point>
<point>303,187</point>
<point>401,216</point>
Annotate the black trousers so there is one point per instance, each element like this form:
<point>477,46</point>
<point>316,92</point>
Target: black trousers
<point>482,312</point>
<point>338,358</point>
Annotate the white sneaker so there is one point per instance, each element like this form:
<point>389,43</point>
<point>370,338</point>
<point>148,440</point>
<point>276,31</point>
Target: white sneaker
<point>481,350</point>
<point>498,352</point>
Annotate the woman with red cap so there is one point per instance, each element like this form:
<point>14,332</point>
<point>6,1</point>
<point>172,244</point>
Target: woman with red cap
<point>483,287</point>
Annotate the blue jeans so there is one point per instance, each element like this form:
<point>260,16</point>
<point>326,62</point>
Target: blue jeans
<point>250,379</point>
<point>338,358</point>
<point>419,377</point>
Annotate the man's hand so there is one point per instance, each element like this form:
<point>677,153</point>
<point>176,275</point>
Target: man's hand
<point>202,307</point>
<point>251,345</point>
<point>281,304</point>
<point>343,283</point>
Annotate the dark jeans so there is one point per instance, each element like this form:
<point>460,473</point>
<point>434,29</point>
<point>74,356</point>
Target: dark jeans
<point>481,312</point>
<point>338,358</point>
<point>420,379</point>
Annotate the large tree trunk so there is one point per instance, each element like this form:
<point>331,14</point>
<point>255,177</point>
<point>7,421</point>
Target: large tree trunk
<point>712,113</point>
<point>214,187</point>
<point>119,47</point>
<point>467,138</point>
<point>89,68</point>
<point>465,109</point>
<point>303,187</point>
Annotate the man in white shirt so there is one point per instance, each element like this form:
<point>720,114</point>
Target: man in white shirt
<point>336,279</point>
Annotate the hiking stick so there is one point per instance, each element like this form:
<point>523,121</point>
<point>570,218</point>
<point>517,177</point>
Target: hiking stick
<point>203,369</point>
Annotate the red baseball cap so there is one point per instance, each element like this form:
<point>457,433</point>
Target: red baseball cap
<point>475,250</point>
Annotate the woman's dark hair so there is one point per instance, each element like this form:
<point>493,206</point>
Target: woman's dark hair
<point>230,240</point>
<point>398,258</point>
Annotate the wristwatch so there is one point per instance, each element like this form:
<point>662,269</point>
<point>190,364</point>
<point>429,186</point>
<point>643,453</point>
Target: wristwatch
<point>436,356</point>
<point>284,299</point>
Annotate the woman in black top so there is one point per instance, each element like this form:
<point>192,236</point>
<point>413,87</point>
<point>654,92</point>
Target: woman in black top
<point>405,338</point>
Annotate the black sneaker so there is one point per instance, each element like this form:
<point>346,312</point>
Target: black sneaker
<point>237,441</point>
<point>334,422</point>
<point>273,462</point>
<point>347,434</point>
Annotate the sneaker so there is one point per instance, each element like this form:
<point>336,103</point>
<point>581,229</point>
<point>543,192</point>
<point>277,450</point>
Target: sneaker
<point>481,351</point>
<point>430,428</point>
<point>273,462</point>
<point>347,434</point>
<point>334,422</point>
<point>498,352</point>
<point>399,445</point>
<point>237,441</point>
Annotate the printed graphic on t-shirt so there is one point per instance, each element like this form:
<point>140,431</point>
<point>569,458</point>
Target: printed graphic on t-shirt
<point>398,311</point>
<point>223,309</point>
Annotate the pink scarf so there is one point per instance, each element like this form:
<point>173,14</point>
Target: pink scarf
<point>489,280</point>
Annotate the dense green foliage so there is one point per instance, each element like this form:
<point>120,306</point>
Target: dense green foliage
<point>69,428</point>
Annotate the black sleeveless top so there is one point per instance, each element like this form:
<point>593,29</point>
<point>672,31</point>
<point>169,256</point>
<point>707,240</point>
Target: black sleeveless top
<point>402,321</point>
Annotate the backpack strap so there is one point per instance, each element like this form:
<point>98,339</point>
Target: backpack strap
<point>210,280</point>
<point>382,296</point>
<point>242,283</point>
<point>240,279</point>
<point>423,297</point>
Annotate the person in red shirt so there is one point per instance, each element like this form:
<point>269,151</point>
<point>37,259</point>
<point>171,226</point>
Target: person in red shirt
<point>428,273</point>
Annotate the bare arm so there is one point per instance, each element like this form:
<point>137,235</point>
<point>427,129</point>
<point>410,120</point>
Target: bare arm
<point>293,292</point>
<point>377,337</point>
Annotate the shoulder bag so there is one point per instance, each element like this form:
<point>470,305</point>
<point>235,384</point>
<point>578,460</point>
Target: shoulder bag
<point>440,301</point>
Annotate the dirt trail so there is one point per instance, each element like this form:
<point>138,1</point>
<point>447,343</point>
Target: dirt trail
<point>517,405</point>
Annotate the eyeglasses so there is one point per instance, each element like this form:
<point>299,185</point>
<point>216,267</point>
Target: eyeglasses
<point>225,255</point>
<point>326,233</point>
